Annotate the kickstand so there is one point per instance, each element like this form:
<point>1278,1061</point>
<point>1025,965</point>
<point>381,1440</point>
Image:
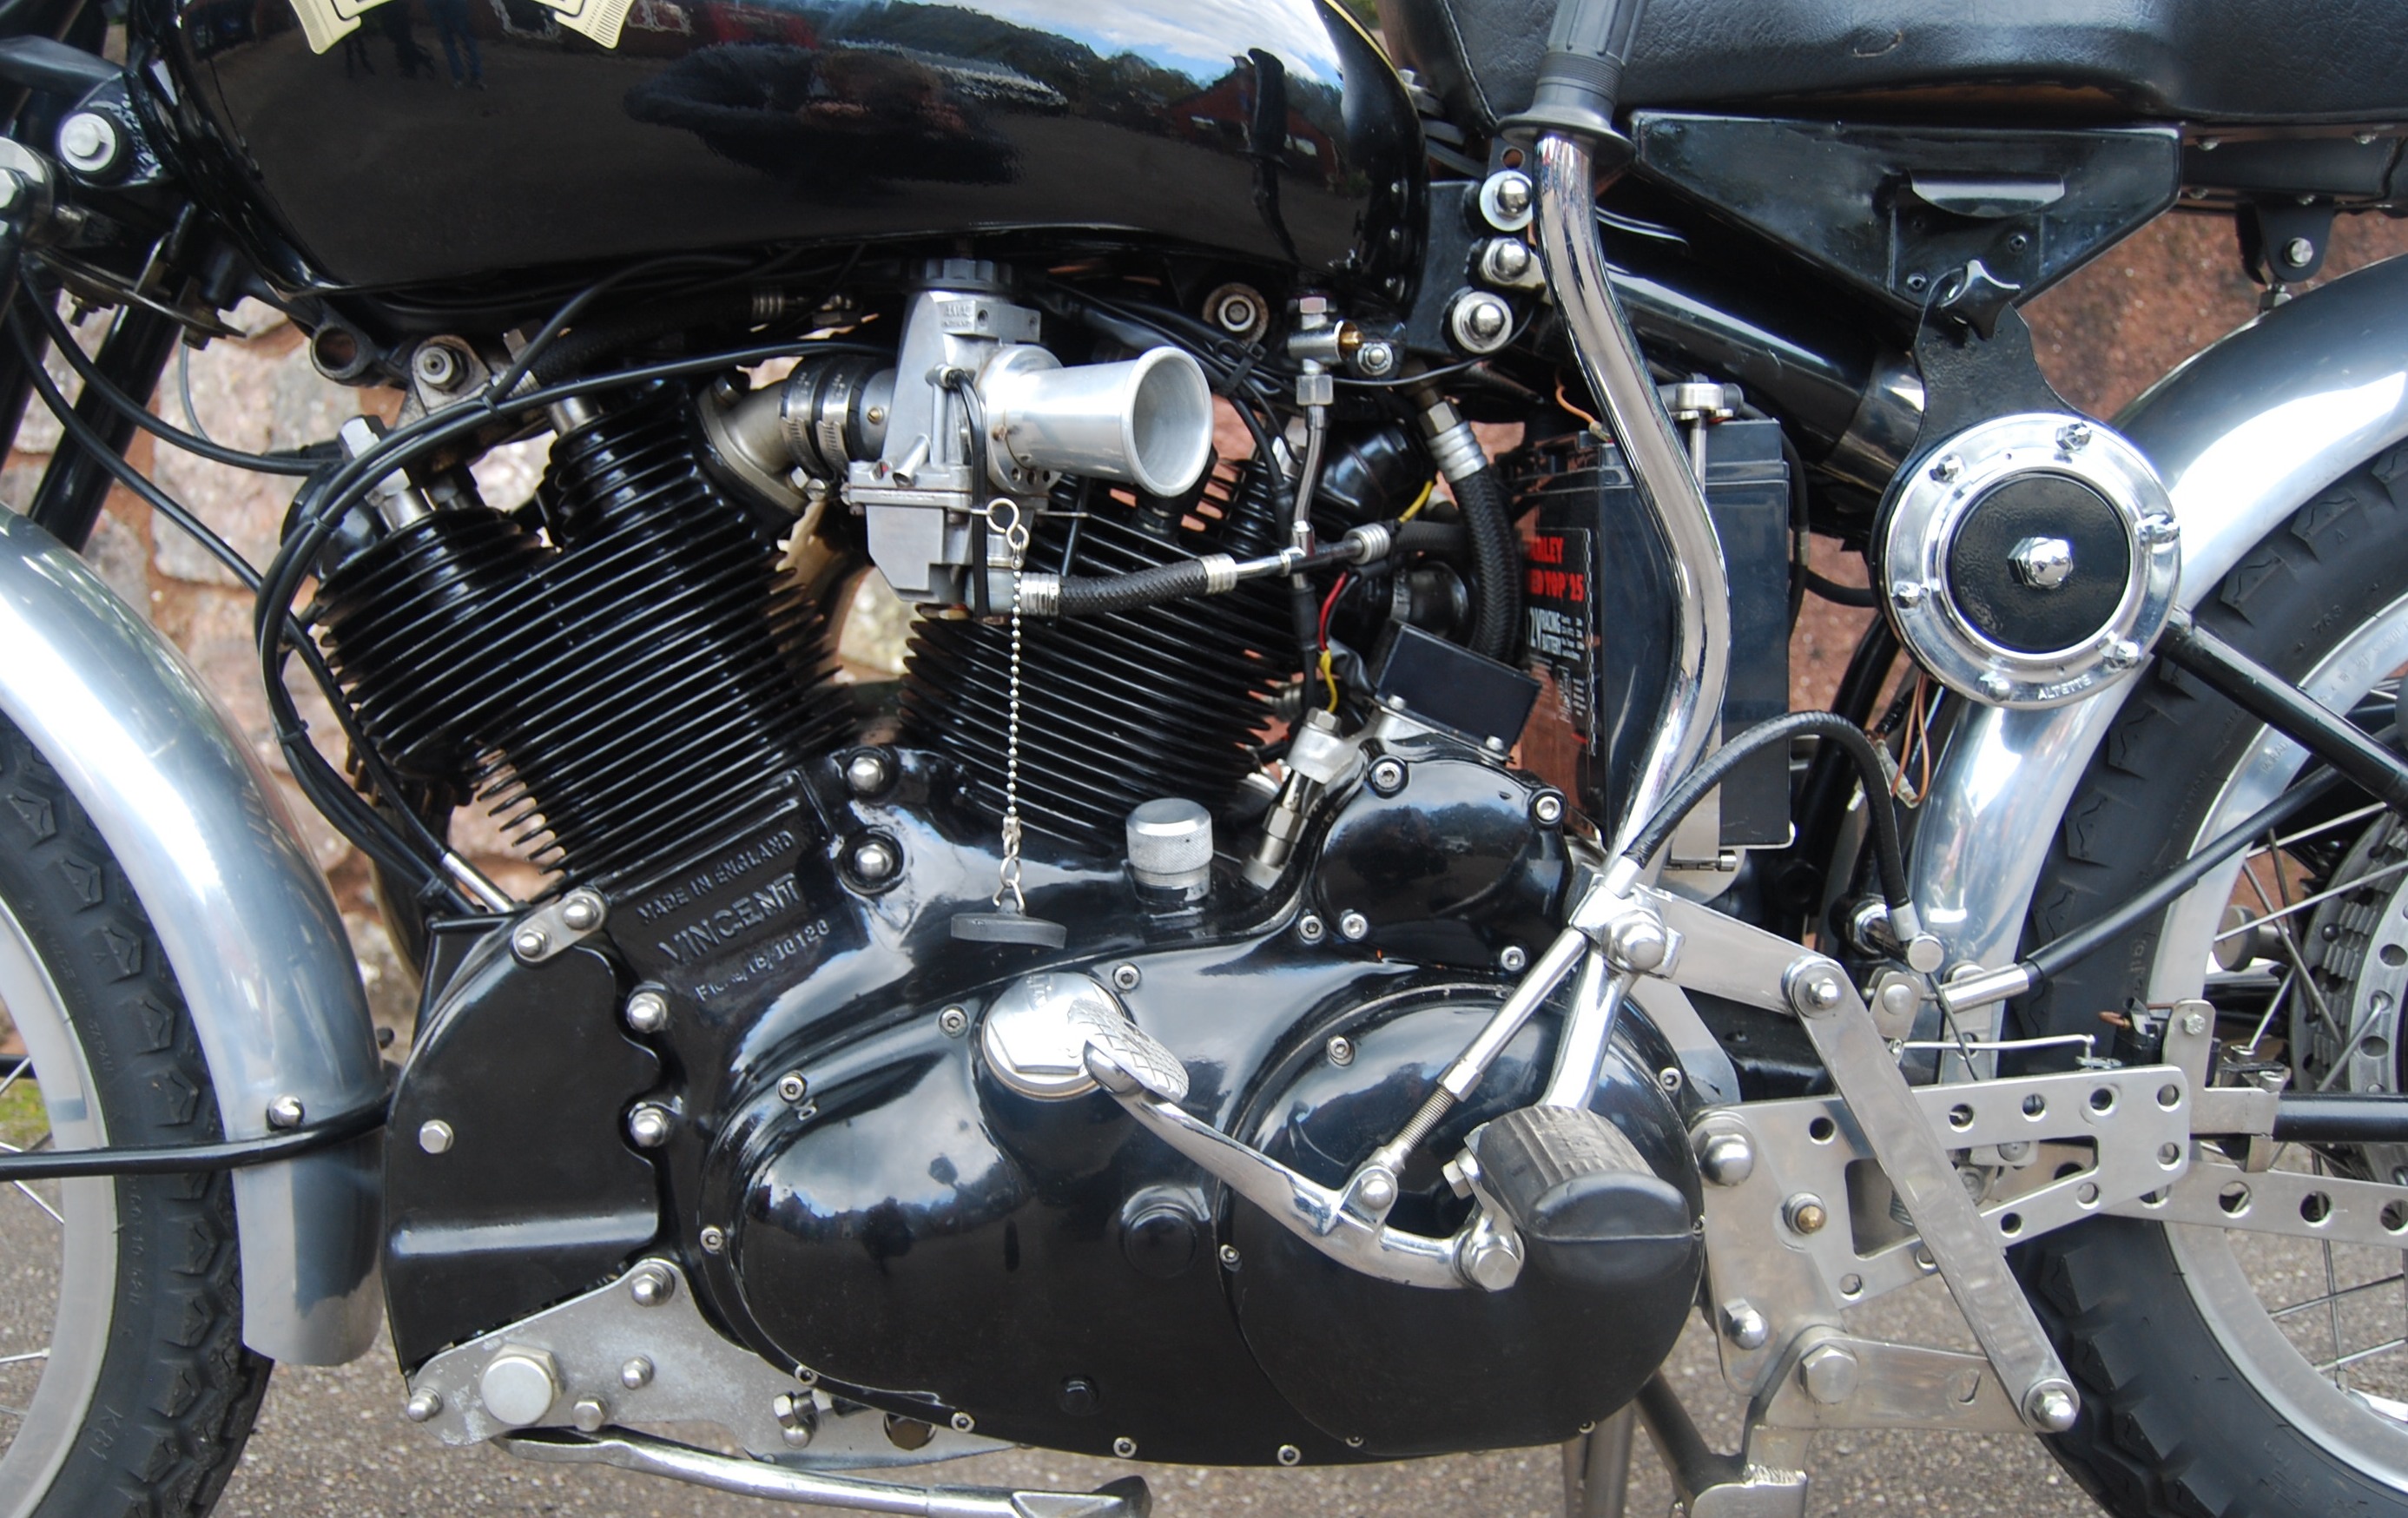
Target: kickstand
<point>1597,1468</point>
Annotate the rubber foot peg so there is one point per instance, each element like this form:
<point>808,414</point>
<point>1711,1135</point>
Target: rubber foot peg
<point>1589,1211</point>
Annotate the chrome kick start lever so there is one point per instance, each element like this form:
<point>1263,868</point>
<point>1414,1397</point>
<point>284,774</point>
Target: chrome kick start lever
<point>1057,1035</point>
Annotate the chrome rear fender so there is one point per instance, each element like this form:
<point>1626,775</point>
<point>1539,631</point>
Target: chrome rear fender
<point>2243,434</point>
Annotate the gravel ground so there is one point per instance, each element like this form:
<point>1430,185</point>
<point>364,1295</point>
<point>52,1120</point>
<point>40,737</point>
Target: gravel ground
<point>331,1444</point>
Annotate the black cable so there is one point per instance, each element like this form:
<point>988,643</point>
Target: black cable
<point>1496,562</point>
<point>1828,725</point>
<point>142,416</point>
<point>1860,596</point>
<point>578,304</point>
<point>187,1159</point>
<point>382,844</point>
<point>2058,954</point>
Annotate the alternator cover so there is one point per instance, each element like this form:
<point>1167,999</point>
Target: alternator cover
<point>2030,559</point>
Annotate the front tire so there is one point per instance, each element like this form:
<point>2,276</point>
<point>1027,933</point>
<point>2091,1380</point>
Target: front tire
<point>2189,1405</point>
<point>143,1396</point>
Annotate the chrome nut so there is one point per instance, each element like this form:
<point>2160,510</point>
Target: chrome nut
<point>1726,1159</point>
<point>1830,1374</point>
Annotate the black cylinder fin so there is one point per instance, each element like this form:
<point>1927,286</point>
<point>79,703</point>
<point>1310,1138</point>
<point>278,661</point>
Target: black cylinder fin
<point>1116,709</point>
<point>621,694</point>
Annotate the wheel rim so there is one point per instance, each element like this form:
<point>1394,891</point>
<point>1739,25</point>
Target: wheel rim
<point>2229,1280</point>
<point>80,1219</point>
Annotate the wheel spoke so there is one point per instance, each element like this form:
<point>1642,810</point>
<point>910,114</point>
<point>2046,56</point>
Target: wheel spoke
<point>21,1359</point>
<point>2305,902</point>
<point>34,1197</point>
<point>2345,1291</point>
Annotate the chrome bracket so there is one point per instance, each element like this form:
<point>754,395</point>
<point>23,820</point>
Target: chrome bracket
<point>558,925</point>
<point>639,1350</point>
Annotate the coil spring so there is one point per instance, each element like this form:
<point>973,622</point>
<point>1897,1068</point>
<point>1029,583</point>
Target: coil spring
<point>615,696</point>
<point>1116,709</point>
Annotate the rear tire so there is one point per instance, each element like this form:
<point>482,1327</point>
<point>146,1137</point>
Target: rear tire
<point>2172,1423</point>
<point>148,1394</point>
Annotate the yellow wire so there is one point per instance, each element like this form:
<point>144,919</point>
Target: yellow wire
<point>1419,501</point>
<point>1329,675</point>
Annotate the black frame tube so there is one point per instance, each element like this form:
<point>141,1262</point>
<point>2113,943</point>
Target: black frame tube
<point>67,503</point>
<point>185,1159</point>
<point>2284,707</point>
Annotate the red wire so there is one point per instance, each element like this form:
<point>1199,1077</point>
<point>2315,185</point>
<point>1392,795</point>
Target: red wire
<point>1344,576</point>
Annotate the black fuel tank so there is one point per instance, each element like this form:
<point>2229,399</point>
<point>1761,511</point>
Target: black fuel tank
<point>1269,130</point>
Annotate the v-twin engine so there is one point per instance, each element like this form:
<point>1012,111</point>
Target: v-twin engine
<point>747,1026</point>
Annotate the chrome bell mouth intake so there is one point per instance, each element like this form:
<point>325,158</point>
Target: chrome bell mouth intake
<point>1145,421</point>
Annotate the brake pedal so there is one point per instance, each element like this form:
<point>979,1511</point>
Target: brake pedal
<point>1589,1211</point>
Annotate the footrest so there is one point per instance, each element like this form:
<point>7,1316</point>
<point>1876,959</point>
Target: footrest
<point>1589,1211</point>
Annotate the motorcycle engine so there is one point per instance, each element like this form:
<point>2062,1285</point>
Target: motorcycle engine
<point>746,1024</point>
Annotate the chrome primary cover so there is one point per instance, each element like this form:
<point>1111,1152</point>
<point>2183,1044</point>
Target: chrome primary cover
<point>2031,559</point>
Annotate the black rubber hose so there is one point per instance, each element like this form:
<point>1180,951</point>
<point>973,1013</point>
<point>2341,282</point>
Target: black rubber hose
<point>1442,537</point>
<point>1829,727</point>
<point>1496,563</point>
<point>1094,596</point>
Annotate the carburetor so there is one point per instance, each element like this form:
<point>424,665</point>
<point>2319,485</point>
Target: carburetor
<point>972,412</point>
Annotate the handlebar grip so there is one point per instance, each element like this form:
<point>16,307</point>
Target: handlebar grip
<point>1580,77</point>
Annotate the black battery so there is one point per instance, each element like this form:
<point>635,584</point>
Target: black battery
<point>1600,602</point>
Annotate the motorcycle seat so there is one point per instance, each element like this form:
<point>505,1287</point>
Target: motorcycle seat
<point>2222,61</point>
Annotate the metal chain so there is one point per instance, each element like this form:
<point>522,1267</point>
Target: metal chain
<point>1003,515</point>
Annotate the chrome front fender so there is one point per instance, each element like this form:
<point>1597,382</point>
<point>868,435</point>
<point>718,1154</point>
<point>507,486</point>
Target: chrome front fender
<point>2243,435</point>
<point>246,919</point>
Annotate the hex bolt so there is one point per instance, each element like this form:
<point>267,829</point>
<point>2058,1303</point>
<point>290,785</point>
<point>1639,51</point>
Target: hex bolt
<point>91,142</point>
<point>1513,959</point>
<point>530,942</point>
<point>435,365</point>
<point>1671,1079</point>
<point>963,1423</point>
<point>588,1414</point>
<point>2075,436</point>
<point>422,1406</point>
<point>793,1087</point>
<point>435,1136</point>
<point>2159,528</point>
<point>2194,1023</point>
<point>1126,976</point>
<point>286,1113</point>
<point>1375,359</point>
<point>580,911</point>
<point>1387,776</point>
<point>797,1418</point>
<point>1830,1374</point>
<point>2123,653</point>
<point>1907,593</point>
<point>1289,1454</point>
<point>1506,260</point>
<point>1491,1262</point>
<point>1506,199</point>
<point>1996,686</point>
<point>1726,1159</point>
<point>1547,807</point>
<point>1125,1447</point>
<point>1311,928</point>
<point>519,1385</point>
<point>1818,990</point>
<point>1948,468</point>
<point>953,1022</point>
<point>2053,1406</point>
<point>635,1374</point>
<point>1744,1326</point>
<point>647,1011</point>
<point>868,772</point>
<point>1228,1257</point>
<point>650,1285</point>
<point>1341,1049</point>
<point>1804,1213</point>
<point>2298,252</point>
<point>1353,926</point>
<point>649,1126</point>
